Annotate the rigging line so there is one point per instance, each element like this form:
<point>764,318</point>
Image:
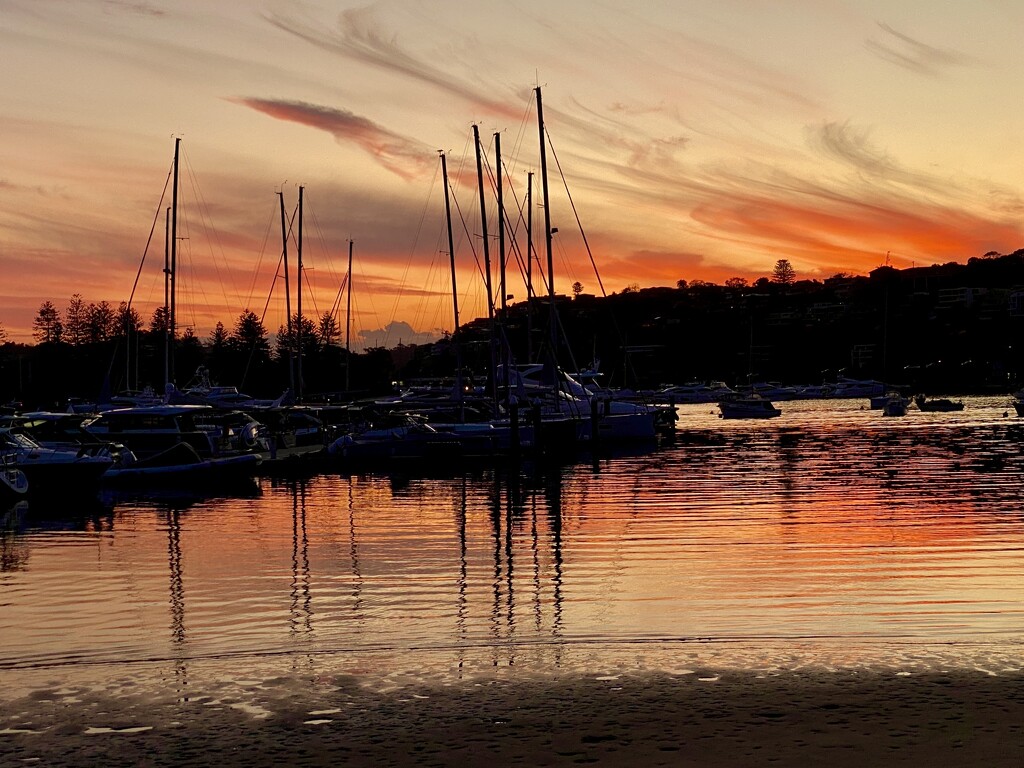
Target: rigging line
<point>266,306</point>
<point>152,229</point>
<point>312,295</point>
<point>185,257</point>
<point>142,262</point>
<point>320,239</point>
<point>468,158</point>
<point>308,253</point>
<point>510,170</point>
<point>512,228</point>
<point>336,306</point>
<point>572,204</point>
<point>521,138</point>
<point>277,272</point>
<point>206,222</point>
<point>408,263</point>
<point>615,324</point>
<point>444,272</point>
<point>469,236</point>
<point>263,250</point>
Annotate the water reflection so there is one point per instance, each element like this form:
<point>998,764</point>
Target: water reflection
<point>831,530</point>
<point>301,608</point>
<point>13,549</point>
<point>176,585</point>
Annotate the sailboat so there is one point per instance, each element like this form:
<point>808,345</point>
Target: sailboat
<point>598,418</point>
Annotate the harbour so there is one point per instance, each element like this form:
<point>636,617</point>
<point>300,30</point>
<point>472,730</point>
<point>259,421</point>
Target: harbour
<point>829,541</point>
<point>834,527</point>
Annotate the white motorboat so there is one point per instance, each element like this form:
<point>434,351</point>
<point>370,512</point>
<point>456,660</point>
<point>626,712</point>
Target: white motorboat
<point>895,405</point>
<point>52,470</point>
<point>858,388</point>
<point>752,407</point>
<point>694,392</point>
<point>13,483</point>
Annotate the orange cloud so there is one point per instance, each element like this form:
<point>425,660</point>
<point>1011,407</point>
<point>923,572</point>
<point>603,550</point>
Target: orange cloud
<point>403,156</point>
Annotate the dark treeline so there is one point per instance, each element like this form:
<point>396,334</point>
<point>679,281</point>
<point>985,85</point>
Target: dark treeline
<point>90,350</point>
<point>943,328</point>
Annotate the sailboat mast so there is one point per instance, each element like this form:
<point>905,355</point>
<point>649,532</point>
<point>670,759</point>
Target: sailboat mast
<point>483,224</point>
<point>503,352</point>
<point>501,226</point>
<point>455,291</point>
<point>529,267</point>
<point>287,293</point>
<point>173,319</point>
<point>451,242</point>
<point>348,318</point>
<point>487,265</point>
<point>167,297</point>
<point>298,292</point>
<point>547,227</point>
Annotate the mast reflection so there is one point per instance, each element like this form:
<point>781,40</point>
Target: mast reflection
<point>301,616</point>
<point>353,548</point>
<point>515,516</point>
<point>176,585</point>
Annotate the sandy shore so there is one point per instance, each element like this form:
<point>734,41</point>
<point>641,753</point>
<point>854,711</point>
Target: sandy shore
<point>647,719</point>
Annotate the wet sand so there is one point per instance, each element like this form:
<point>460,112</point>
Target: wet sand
<point>644,719</point>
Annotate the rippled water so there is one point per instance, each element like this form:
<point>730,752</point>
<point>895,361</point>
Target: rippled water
<point>829,535</point>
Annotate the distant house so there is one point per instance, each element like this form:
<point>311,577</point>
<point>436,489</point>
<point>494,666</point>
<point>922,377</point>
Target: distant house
<point>958,298</point>
<point>861,355</point>
<point>1016,302</point>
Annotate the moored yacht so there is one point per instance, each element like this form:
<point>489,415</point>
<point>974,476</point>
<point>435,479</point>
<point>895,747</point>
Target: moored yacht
<point>52,470</point>
<point>750,407</point>
<point>846,387</point>
<point>694,392</point>
<point>13,483</point>
<point>180,439</point>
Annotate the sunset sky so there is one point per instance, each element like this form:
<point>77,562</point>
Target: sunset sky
<point>699,140</point>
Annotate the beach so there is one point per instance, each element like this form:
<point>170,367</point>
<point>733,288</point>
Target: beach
<point>694,717</point>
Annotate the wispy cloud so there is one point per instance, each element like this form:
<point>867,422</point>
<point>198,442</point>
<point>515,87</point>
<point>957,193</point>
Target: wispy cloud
<point>358,37</point>
<point>137,8</point>
<point>401,155</point>
<point>904,51</point>
<point>853,148</point>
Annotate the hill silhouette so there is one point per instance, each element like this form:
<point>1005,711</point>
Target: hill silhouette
<point>944,328</point>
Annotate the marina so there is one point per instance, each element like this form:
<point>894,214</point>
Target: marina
<point>870,540</point>
<point>827,547</point>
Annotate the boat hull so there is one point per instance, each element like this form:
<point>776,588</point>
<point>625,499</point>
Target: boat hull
<point>748,409</point>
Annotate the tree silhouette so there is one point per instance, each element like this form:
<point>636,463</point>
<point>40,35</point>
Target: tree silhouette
<point>100,322</point>
<point>47,326</point>
<point>76,321</point>
<point>160,321</point>
<point>127,320</point>
<point>327,329</point>
<point>218,337</point>
<point>250,334</point>
<point>783,274</point>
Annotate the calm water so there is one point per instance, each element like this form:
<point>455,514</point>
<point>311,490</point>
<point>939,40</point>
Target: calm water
<point>830,536</point>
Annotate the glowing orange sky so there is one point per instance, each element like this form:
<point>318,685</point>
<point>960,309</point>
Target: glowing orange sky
<point>698,141</point>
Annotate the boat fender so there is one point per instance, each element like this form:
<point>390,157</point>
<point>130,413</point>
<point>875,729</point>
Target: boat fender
<point>341,444</point>
<point>250,435</point>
